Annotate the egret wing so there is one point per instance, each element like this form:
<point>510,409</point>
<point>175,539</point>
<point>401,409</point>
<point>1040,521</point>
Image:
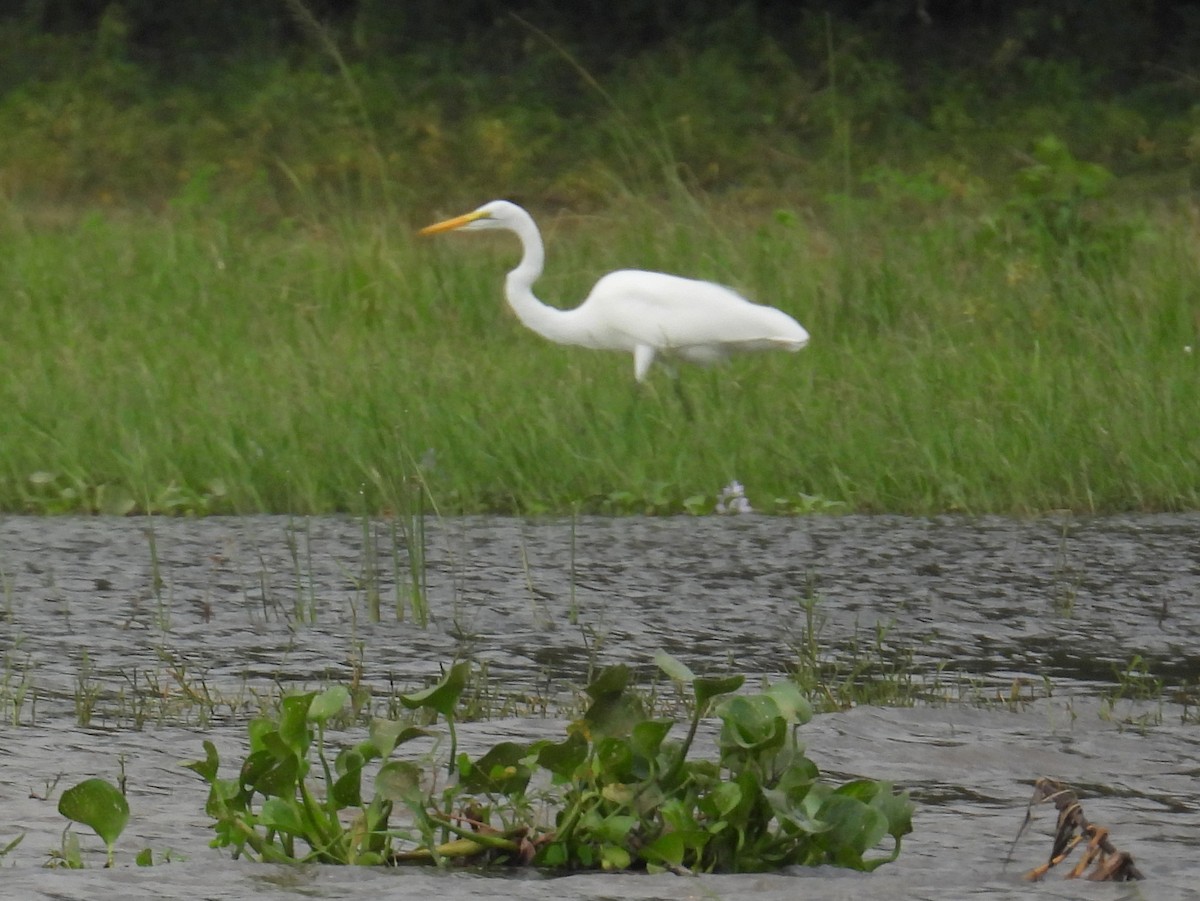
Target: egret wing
<point>673,313</point>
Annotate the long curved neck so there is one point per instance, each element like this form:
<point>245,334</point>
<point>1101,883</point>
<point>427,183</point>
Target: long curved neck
<point>549,322</point>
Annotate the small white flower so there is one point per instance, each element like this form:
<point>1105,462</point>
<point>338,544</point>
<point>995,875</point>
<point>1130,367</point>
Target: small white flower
<point>1187,348</point>
<point>732,499</point>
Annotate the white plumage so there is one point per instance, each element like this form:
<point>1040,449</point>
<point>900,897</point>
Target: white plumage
<point>649,314</point>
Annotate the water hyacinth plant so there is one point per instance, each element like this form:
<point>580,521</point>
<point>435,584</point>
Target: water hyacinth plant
<point>102,806</point>
<point>619,792</point>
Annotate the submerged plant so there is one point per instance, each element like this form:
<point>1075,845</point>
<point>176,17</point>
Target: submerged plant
<point>619,792</point>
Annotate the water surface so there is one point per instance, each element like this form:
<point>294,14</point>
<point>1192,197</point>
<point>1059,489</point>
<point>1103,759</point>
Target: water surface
<point>123,617</point>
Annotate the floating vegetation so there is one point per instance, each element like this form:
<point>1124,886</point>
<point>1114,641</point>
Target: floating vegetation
<point>1101,861</point>
<point>617,793</point>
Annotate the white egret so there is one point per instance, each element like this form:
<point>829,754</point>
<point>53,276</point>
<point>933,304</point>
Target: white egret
<point>649,314</point>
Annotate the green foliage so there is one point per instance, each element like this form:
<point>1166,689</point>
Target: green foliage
<point>101,806</point>
<point>214,303</point>
<point>270,109</point>
<point>620,791</point>
<point>1052,211</point>
<point>942,377</point>
<point>277,769</point>
<point>442,699</point>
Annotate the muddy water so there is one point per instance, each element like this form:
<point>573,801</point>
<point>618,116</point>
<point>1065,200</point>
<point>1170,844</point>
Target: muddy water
<point>117,622</point>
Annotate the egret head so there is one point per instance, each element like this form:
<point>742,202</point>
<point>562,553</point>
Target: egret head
<point>495,214</point>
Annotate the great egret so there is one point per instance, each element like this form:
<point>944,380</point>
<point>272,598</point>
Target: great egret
<point>650,314</point>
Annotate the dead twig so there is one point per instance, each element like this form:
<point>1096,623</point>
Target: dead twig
<point>1106,862</point>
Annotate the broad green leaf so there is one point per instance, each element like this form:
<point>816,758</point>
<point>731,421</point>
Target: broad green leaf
<point>257,729</point>
<point>702,773</point>
<point>328,703</point>
<point>615,828</point>
<point>563,758</point>
<point>349,760</point>
<point>671,847</point>
<point>499,770</point>
<point>648,735</point>
<point>615,758</point>
<point>399,780</point>
<point>612,712</point>
<point>386,735</point>
<point>98,804</point>
<point>347,789</point>
<point>618,793</point>
<point>610,683</point>
<point>898,809</point>
<point>667,848</point>
<point>553,855</point>
<point>794,817</point>
<point>750,788</point>
<point>860,789</point>
<point>224,795</point>
<point>270,775</point>
<point>854,829</point>
<point>883,813</point>
<point>726,797</point>
<point>614,857</point>
<point>281,814</point>
<point>751,724</point>
<point>208,767</point>
<point>793,706</point>
<point>707,688</point>
<point>677,814</point>
<point>815,799</point>
<point>795,782</point>
<point>443,696</point>
<point>293,722</point>
<point>377,814</point>
<point>673,668</point>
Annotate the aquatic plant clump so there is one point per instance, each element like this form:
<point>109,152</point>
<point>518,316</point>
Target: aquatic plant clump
<point>619,792</point>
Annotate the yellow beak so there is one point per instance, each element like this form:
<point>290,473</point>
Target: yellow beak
<point>451,224</point>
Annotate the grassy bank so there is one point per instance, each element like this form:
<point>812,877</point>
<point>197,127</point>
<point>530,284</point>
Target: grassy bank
<point>197,364</point>
<point>212,299</point>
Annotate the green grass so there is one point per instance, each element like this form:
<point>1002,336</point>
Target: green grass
<point>212,298</point>
<point>192,364</point>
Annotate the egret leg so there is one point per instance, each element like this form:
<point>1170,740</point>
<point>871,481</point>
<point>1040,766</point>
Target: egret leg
<point>635,401</point>
<point>643,358</point>
<point>684,401</point>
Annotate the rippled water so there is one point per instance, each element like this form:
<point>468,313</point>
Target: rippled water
<point>971,610</point>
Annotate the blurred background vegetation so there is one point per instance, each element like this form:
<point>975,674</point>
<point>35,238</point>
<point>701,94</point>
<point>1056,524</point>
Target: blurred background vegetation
<point>269,106</point>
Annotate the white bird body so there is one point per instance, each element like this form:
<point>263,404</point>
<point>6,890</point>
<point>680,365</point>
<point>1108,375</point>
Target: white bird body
<point>649,314</point>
